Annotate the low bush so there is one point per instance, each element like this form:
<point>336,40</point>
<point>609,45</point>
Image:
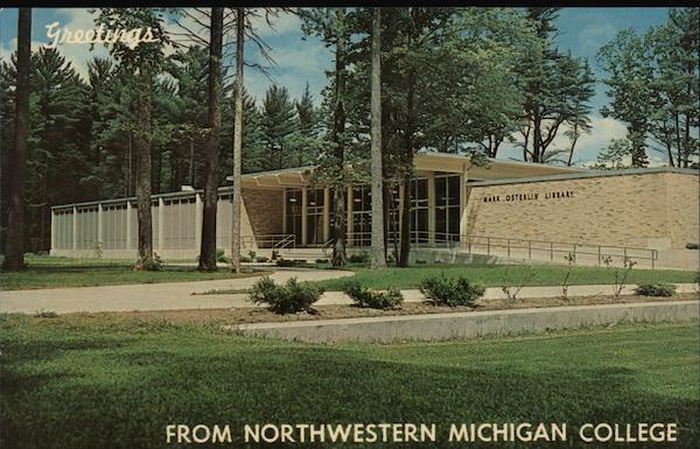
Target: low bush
<point>245,259</point>
<point>655,289</point>
<point>359,258</point>
<point>289,262</point>
<point>292,297</point>
<point>321,261</point>
<point>221,256</point>
<point>365,297</point>
<point>452,292</point>
<point>261,259</point>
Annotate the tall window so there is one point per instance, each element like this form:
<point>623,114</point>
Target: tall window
<point>314,216</point>
<point>293,209</point>
<point>419,210</point>
<point>361,215</point>
<point>447,195</point>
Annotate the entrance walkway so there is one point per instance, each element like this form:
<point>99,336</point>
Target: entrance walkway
<point>179,295</point>
<point>158,296</point>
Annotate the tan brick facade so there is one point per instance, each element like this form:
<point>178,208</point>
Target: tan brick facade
<point>262,211</point>
<point>655,210</point>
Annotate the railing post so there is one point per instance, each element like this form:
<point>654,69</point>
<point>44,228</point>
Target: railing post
<point>529,249</point>
<point>574,251</point>
<point>488,246</point>
<point>551,251</point>
<point>508,244</point>
<point>599,260</point>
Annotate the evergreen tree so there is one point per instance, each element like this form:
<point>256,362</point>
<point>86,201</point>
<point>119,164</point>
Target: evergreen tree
<point>278,124</point>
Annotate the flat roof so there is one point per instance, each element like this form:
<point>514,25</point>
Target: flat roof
<point>588,174</point>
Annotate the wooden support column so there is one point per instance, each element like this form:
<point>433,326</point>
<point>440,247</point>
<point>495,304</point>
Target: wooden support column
<point>431,208</point>
<point>326,214</point>
<point>349,225</point>
<point>284,211</point>
<point>161,228</point>
<point>53,231</point>
<point>463,194</point>
<point>74,245</point>
<point>197,222</point>
<point>127,244</point>
<point>100,224</point>
<point>304,215</point>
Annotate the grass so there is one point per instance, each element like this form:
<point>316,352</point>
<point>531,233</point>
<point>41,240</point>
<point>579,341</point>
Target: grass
<point>56,272</point>
<point>494,275</point>
<point>109,381</point>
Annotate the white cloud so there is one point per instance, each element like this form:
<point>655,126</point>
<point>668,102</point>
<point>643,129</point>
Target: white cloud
<point>595,35</point>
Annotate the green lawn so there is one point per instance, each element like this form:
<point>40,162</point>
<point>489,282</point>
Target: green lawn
<point>494,275</point>
<point>110,381</point>
<point>93,274</point>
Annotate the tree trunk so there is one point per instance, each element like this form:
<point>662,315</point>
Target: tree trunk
<point>207,257</point>
<point>378,254</point>
<point>237,146</point>
<point>142,145</point>
<point>339,257</point>
<point>408,166</point>
<point>405,238</point>
<point>14,253</point>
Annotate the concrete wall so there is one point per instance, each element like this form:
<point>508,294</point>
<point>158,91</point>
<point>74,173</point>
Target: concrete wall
<point>470,324</point>
<point>653,210</point>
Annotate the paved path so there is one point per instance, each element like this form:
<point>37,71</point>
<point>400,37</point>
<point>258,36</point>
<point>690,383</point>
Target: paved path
<point>157,296</point>
<point>178,295</point>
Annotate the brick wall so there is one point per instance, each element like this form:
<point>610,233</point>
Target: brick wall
<point>657,209</point>
<point>264,211</point>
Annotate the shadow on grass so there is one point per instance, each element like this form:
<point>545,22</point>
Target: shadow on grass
<point>122,391</point>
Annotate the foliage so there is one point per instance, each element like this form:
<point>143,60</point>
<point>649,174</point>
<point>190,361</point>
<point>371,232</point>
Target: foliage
<point>361,257</point>
<point>655,289</point>
<point>653,87</point>
<point>511,287</point>
<point>620,274</point>
<point>365,297</point>
<point>444,291</point>
<point>221,256</point>
<point>293,297</point>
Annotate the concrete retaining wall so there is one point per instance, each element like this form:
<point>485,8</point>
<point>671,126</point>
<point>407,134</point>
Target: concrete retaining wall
<point>471,324</point>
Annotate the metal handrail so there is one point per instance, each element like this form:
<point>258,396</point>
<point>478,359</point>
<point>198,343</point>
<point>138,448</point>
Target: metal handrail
<point>471,243</point>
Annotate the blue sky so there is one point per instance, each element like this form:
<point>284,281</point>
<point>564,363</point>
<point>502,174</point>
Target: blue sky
<point>581,30</point>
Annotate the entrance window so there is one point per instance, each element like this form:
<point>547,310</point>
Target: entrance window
<point>314,216</point>
<point>293,209</point>
<point>447,199</point>
<point>361,215</point>
<point>419,210</point>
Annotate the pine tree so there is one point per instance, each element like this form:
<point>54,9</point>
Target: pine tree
<point>278,124</point>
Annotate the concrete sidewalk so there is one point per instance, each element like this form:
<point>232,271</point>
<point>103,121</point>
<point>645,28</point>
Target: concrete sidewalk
<point>157,296</point>
<point>178,295</point>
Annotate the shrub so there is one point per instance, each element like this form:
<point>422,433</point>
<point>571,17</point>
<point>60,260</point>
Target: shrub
<point>45,314</point>
<point>444,291</point>
<point>655,289</point>
<point>359,258</point>
<point>421,262</point>
<point>286,263</point>
<point>261,259</point>
<point>292,297</point>
<point>364,297</point>
<point>221,256</point>
<point>321,260</point>
<point>245,259</point>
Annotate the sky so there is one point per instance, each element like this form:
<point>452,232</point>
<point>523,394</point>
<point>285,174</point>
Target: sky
<point>305,59</point>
